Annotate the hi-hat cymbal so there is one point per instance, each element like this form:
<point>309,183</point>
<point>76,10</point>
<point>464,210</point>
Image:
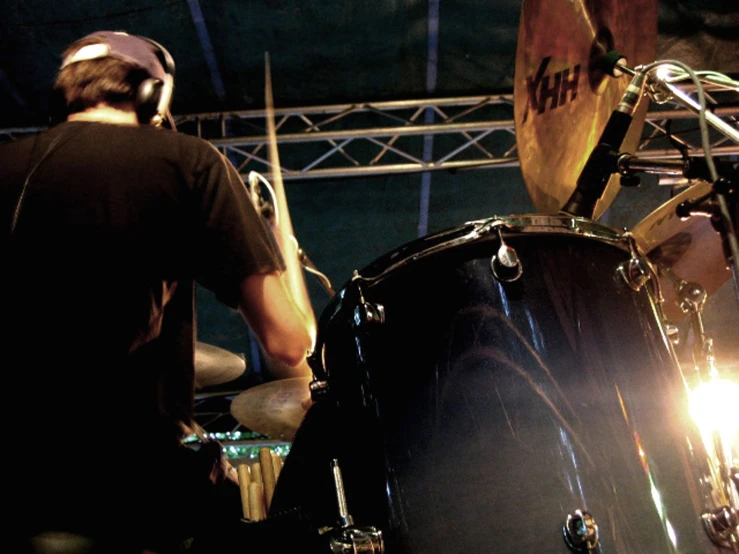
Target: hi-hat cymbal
<point>215,366</point>
<point>275,408</point>
<point>562,97</point>
<point>691,249</point>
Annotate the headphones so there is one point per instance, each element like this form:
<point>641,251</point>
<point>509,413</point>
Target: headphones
<point>154,94</point>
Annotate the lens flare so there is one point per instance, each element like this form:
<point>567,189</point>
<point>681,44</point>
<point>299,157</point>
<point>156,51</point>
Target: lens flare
<point>714,406</point>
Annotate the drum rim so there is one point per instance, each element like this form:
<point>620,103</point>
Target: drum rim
<point>491,228</point>
<point>471,231</point>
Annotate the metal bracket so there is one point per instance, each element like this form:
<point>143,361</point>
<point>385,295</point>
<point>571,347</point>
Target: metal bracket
<point>349,539</point>
<point>581,532</point>
<point>506,264</point>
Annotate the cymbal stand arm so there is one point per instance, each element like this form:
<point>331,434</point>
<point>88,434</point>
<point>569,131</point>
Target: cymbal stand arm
<point>694,106</point>
<point>628,164</point>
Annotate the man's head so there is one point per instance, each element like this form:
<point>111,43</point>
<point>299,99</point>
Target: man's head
<point>119,70</point>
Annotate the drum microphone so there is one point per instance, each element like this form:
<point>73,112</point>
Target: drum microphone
<point>591,184</point>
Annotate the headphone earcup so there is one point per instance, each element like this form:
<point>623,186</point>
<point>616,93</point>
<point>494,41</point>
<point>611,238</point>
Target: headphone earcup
<point>147,99</point>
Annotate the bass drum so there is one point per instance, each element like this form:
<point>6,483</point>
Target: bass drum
<point>478,406</point>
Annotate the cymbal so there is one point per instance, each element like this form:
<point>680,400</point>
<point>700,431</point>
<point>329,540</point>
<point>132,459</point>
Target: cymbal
<point>562,97</point>
<point>275,408</point>
<point>691,249</point>
<point>215,366</point>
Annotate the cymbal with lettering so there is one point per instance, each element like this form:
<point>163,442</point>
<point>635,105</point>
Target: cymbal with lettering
<point>690,248</point>
<point>275,408</point>
<point>215,366</point>
<point>562,96</point>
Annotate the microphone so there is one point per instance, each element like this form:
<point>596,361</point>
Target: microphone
<point>603,160</point>
<point>253,180</point>
<point>265,209</point>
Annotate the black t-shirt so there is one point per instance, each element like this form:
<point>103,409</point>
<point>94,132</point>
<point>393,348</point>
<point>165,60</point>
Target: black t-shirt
<point>102,224</point>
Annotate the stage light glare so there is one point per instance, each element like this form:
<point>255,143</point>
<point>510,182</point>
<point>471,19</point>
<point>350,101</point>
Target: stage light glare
<point>714,406</point>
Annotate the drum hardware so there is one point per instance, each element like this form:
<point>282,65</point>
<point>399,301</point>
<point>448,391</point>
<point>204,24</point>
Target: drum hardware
<point>318,389</point>
<point>684,249</point>
<point>627,165</point>
<point>673,333</point>
<point>720,487</point>
<point>692,299</point>
<point>505,264</point>
<point>666,91</point>
<point>636,271</point>
<point>722,526</point>
<point>720,203</point>
<point>349,539</point>
<point>581,532</point>
<point>366,312</point>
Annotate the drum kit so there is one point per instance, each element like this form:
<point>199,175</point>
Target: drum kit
<point>512,384</point>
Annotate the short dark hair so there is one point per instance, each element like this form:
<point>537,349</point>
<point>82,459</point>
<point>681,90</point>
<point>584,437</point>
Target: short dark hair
<point>85,84</point>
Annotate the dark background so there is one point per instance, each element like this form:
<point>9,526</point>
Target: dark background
<point>336,51</point>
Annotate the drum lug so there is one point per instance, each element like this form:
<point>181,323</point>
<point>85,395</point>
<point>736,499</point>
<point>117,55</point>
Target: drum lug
<point>366,312</point>
<point>318,389</point>
<point>692,297</point>
<point>506,264</point>
<point>673,333</point>
<point>635,273</point>
<point>581,532</point>
<point>348,538</point>
<point>722,527</point>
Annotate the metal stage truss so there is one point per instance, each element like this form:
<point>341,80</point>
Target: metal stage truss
<point>384,138</point>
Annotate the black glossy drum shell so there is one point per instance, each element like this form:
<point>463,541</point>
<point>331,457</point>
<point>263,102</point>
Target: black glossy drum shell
<point>480,414</point>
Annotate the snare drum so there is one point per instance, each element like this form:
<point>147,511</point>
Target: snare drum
<point>503,386</point>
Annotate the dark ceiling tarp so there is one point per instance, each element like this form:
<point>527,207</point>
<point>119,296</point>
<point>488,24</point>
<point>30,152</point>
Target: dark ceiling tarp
<point>321,52</point>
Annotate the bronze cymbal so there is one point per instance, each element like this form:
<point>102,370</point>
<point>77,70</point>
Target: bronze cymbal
<point>215,366</point>
<point>275,408</point>
<point>691,249</point>
<point>562,97</point>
